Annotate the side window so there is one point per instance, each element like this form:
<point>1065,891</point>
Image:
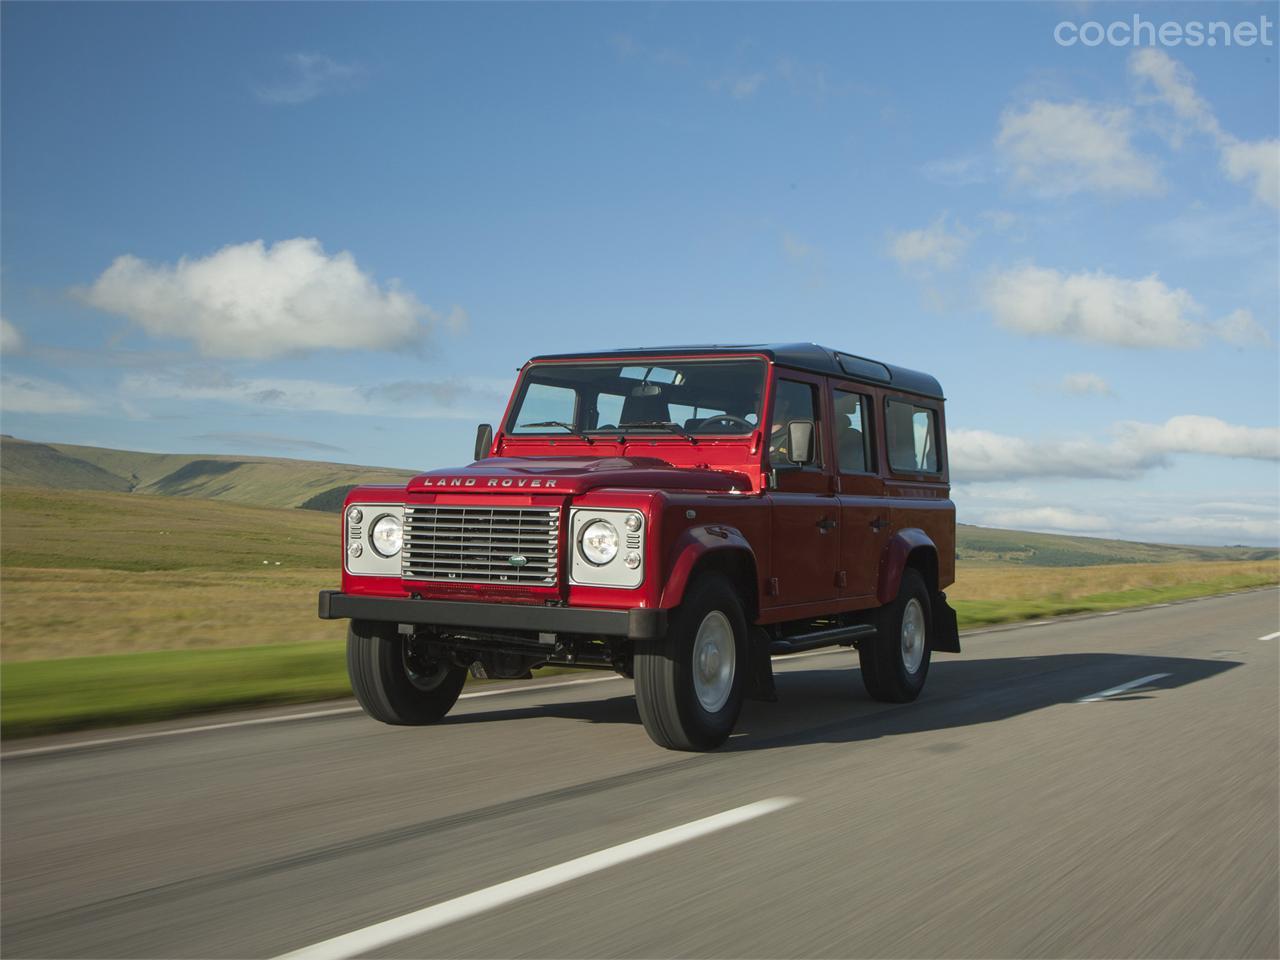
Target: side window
<point>543,403</point>
<point>853,439</point>
<point>912,433</point>
<point>792,401</point>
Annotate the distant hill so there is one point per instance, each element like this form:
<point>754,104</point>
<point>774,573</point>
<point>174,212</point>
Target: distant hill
<point>259,481</point>
<point>278,482</point>
<point>976,544</point>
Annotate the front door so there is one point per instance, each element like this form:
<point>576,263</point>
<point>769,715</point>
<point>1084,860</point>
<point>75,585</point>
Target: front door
<point>805,558</point>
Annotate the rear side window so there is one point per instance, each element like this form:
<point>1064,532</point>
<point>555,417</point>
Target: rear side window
<point>912,434</point>
<point>853,442</point>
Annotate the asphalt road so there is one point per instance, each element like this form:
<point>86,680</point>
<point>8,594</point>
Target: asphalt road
<point>997,816</point>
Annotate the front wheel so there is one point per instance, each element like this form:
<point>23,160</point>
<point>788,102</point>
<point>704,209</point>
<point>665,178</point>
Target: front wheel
<point>393,681</point>
<point>896,661</point>
<point>690,683</point>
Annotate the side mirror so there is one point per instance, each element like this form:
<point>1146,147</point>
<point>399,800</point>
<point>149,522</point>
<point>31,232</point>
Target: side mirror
<point>484,440</point>
<point>800,441</point>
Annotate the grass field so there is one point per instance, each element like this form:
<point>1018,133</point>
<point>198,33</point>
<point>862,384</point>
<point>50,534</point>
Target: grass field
<point>118,608</point>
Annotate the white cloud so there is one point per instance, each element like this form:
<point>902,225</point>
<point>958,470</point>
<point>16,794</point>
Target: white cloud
<point>10,337</point>
<point>1240,328</point>
<point>740,86</point>
<point>20,394</point>
<point>1191,433</point>
<point>453,399</point>
<point>254,301</point>
<point>1094,307</point>
<point>983,456</point>
<point>1213,530</point>
<point>959,171</point>
<point>1251,516</point>
<point>1063,148</point>
<point>310,75</point>
<point>797,249</point>
<point>1164,80</point>
<point>933,246</point>
<point>1050,519</point>
<point>1086,383</point>
<point>1258,161</point>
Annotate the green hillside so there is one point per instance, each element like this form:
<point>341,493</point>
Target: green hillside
<point>975,544</point>
<point>81,529</point>
<point>260,481</point>
<point>317,486</point>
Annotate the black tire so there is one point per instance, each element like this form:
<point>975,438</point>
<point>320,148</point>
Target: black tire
<point>674,715</point>
<point>393,686</point>
<point>885,660</point>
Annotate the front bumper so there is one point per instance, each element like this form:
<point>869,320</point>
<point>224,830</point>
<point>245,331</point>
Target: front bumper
<point>635,624</point>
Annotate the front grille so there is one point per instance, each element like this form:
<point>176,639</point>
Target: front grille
<point>478,544</point>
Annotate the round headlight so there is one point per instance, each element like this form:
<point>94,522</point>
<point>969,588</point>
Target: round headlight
<point>387,536</point>
<point>599,542</point>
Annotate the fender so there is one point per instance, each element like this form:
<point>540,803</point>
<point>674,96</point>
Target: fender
<point>690,547</point>
<point>894,560</point>
<point>946,636</point>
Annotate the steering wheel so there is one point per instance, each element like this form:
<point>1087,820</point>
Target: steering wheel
<point>725,418</point>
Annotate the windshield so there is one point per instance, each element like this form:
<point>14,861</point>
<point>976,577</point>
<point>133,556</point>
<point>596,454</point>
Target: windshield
<point>684,397</point>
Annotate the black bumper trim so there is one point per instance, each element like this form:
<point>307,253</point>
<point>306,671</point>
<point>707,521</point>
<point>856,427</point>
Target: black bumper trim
<point>635,624</point>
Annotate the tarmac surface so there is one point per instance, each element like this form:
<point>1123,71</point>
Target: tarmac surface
<point>1023,807</point>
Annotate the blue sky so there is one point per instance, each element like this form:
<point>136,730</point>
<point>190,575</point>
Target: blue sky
<point>335,231</point>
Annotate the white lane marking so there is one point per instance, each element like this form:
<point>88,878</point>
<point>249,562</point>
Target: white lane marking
<point>371,938</point>
<point>540,686</point>
<point>258,721</point>
<point>1140,682</point>
<point>1270,636</point>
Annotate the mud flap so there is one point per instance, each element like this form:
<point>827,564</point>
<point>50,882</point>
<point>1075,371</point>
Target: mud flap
<point>760,678</point>
<point>946,633</point>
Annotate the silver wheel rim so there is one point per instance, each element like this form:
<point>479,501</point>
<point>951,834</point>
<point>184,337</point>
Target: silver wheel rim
<point>714,661</point>
<point>912,635</point>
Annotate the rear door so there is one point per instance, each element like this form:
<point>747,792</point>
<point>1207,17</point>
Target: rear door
<point>864,511</point>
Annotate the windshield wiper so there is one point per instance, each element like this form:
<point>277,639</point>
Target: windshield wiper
<point>661,424</point>
<point>562,425</point>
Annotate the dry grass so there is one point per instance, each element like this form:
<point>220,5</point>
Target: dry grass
<point>1009,582</point>
<point>74,613</point>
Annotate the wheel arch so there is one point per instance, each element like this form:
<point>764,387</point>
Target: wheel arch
<point>713,548</point>
<point>913,549</point>
<point>910,547</point>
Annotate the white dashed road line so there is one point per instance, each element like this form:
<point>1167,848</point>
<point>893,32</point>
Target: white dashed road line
<point>371,938</point>
<point>1270,636</point>
<point>1123,688</point>
<point>283,718</point>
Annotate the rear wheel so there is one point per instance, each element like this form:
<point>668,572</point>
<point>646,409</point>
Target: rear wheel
<point>690,683</point>
<point>395,682</point>
<point>896,661</point>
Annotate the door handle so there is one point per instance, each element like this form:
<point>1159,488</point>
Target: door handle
<point>824,524</point>
<point>879,524</point>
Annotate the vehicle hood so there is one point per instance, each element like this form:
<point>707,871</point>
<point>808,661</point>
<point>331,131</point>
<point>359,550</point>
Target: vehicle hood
<point>574,475</point>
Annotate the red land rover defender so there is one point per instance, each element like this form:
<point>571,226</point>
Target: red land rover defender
<point>677,515</point>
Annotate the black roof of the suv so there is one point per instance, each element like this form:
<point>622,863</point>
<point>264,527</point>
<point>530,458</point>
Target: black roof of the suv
<point>801,356</point>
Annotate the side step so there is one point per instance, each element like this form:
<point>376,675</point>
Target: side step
<point>821,638</point>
